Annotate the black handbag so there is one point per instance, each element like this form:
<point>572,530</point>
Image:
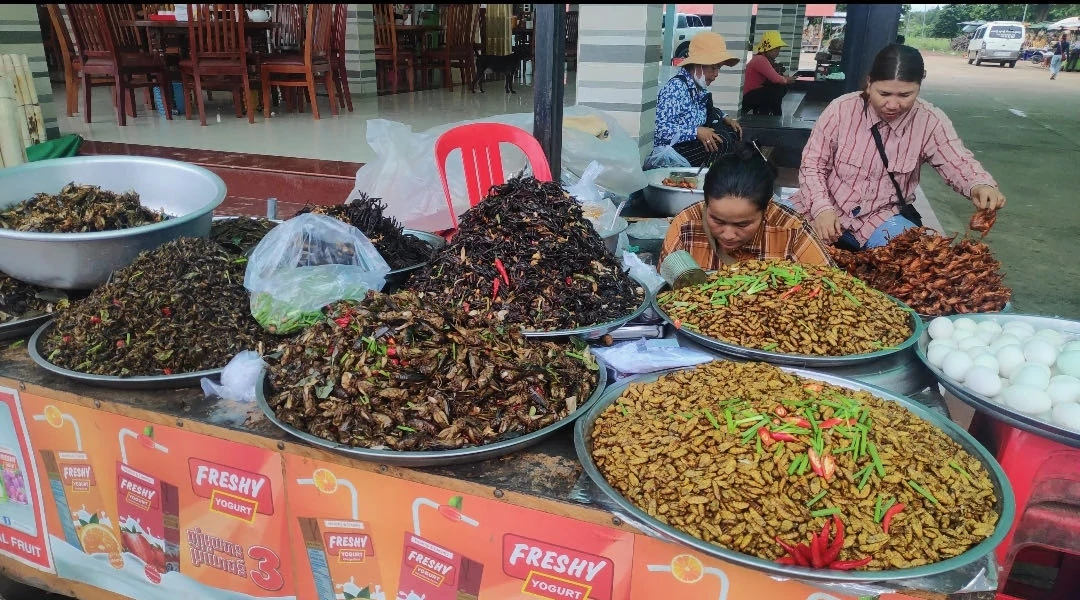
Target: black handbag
<point>907,210</point>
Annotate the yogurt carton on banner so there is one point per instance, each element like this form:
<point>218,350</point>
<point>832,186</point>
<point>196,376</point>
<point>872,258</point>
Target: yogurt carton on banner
<point>556,572</point>
<point>340,552</point>
<point>148,510</point>
<point>430,571</point>
<point>13,477</point>
<point>76,492</point>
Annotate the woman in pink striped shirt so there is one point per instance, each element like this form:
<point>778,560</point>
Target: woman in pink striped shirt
<point>861,165</point>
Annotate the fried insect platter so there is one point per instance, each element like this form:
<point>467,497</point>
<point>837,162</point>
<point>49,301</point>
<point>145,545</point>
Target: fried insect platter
<point>398,373</point>
<point>780,310</point>
<point>779,469</point>
<point>79,209</point>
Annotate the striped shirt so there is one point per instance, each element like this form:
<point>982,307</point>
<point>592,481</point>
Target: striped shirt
<point>842,169</point>
<point>783,236</point>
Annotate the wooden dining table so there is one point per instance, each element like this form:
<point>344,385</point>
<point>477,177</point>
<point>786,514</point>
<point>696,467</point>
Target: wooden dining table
<point>157,30</point>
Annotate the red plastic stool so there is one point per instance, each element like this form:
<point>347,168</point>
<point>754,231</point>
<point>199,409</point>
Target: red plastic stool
<point>1047,526</point>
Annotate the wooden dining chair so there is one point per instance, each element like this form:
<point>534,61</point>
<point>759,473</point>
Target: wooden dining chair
<point>337,55</point>
<point>460,53</point>
<point>389,53</point>
<point>70,60</point>
<point>218,57</point>
<point>101,54</point>
<point>298,70</point>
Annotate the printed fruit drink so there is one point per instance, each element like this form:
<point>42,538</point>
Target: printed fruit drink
<point>340,551</point>
<point>148,510</point>
<point>77,494</point>
<point>431,572</point>
<point>14,480</point>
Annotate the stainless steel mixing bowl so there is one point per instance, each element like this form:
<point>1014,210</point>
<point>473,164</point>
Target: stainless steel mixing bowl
<point>189,194</point>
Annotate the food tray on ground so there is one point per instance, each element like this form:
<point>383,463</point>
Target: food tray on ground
<point>433,458</point>
<point>592,332</point>
<point>667,200</point>
<point>796,360</point>
<point>1005,506</point>
<point>137,382</point>
<point>188,193</point>
<point>1033,424</point>
<point>22,327</point>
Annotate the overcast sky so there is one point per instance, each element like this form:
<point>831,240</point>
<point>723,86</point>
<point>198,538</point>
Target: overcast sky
<point>922,7</point>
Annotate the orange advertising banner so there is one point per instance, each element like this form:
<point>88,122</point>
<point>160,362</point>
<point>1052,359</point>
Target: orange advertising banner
<point>22,513</point>
<point>357,534</point>
<point>151,511</point>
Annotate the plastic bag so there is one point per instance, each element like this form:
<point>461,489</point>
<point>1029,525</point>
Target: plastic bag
<point>598,209</point>
<point>306,263</point>
<point>405,176</point>
<point>649,356</point>
<point>644,273</point>
<point>665,157</point>
<point>238,378</point>
<point>649,229</point>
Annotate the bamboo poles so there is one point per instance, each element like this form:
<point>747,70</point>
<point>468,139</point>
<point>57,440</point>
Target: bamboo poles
<point>12,149</point>
<point>16,69</point>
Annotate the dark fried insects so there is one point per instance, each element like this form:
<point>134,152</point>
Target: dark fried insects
<point>178,309</point>
<point>240,234</point>
<point>77,209</point>
<point>365,213</point>
<point>19,299</point>
<point>528,251</point>
<point>395,372</point>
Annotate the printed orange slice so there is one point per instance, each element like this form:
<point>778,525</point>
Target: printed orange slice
<point>97,538</point>
<point>325,480</point>
<point>687,568</point>
<point>53,416</point>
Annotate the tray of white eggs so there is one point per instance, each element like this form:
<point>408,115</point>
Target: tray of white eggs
<point>1023,369</point>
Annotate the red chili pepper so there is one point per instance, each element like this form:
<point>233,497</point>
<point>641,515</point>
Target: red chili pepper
<point>495,288</point>
<point>813,387</point>
<point>799,553</point>
<point>391,351</point>
<point>889,514</point>
<point>816,291</point>
<point>119,343</point>
<point>343,321</point>
<point>94,320</point>
<point>781,436</point>
<point>798,421</point>
<point>677,323</point>
<point>569,281</point>
<point>791,291</point>
<point>766,437</point>
<point>116,302</point>
<point>502,271</point>
<point>833,422</point>
<point>67,339</point>
<point>817,549</point>
<point>815,462</point>
<point>465,306</point>
<point>166,311</point>
<point>787,560</point>
<point>847,565</point>
<point>838,541</point>
<point>828,467</point>
<point>167,371</point>
<point>780,411</point>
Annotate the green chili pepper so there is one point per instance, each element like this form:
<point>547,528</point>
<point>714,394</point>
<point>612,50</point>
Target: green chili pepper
<point>712,419</point>
<point>825,512</point>
<point>925,492</point>
<point>816,498</point>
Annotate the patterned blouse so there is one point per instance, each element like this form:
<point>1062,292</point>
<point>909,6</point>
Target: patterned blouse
<point>680,110</point>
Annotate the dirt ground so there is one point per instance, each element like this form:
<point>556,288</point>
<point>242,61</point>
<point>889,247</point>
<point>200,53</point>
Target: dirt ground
<point>1025,129</point>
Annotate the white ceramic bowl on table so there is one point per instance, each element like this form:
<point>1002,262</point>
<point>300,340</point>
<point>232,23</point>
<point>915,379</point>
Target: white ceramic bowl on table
<point>668,201</point>
<point>187,193</point>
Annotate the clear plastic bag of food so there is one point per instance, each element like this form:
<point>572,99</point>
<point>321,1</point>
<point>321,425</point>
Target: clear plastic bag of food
<point>306,263</point>
<point>597,209</point>
<point>665,157</point>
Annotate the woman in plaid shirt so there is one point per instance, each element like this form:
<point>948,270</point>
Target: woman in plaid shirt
<point>739,219</point>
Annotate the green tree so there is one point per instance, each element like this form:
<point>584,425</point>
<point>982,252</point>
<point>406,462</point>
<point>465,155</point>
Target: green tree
<point>947,23</point>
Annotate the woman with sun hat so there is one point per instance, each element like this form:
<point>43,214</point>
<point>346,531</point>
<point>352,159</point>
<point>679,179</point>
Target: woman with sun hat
<point>764,87</point>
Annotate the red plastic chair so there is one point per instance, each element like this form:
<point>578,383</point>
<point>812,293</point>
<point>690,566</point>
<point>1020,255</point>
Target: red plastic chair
<point>479,145</point>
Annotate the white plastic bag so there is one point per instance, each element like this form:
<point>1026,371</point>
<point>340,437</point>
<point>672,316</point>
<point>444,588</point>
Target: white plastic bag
<point>648,356</point>
<point>665,157</point>
<point>306,263</point>
<point>649,229</point>
<point>238,378</point>
<point>598,209</point>
<point>642,272</point>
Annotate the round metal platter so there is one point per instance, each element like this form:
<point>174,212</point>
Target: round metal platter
<point>592,332</point>
<point>1005,309</point>
<point>796,360</point>
<point>432,458</point>
<point>140,382</point>
<point>1006,505</point>
<point>22,327</point>
<point>1019,420</point>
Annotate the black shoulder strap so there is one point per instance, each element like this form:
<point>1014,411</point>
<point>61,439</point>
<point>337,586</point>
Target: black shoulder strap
<point>885,159</point>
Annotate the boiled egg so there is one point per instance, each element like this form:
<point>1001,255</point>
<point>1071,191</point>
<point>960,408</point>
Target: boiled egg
<point>1020,329</point>
<point>987,360</point>
<point>956,364</point>
<point>989,327</point>
<point>1050,335</point>
<point>1063,388</point>
<point>1067,415</point>
<point>1004,340</point>
<point>965,324</point>
<point>1070,346</point>
<point>1068,363</point>
<point>940,328</point>
<point>1040,350</point>
<point>1010,359</point>
<point>971,342</point>
<point>936,352</point>
<point>1033,374</point>
<point>1026,399</point>
<point>983,381</point>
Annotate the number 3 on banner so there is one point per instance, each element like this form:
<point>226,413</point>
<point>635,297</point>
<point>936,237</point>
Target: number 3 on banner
<point>266,575</point>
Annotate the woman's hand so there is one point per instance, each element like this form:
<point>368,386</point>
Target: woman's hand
<point>709,138</point>
<point>987,196</point>
<point>734,125</point>
<point>827,226</point>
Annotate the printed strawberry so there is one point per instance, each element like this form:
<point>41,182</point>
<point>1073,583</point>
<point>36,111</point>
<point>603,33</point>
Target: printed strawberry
<point>159,556</point>
<point>152,574</point>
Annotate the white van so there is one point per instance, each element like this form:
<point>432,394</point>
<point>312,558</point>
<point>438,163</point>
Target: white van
<point>997,41</point>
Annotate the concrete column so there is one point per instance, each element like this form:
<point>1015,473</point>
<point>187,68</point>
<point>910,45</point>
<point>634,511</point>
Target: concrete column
<point>619,65</point>
<point>733,22</point>
<point>20,33</point>
<point>360,50</point>
<point>788,17</point>
<point>796,38</point>
<point>769,16</point>
<point>870,27</point>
